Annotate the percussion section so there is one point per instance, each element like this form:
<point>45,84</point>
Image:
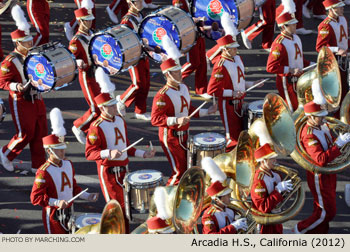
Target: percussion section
<point>50,66</point>
<point>87,219</point>
<point>115,49</point>
<point>253,112</point>
<point>240,11</point>
<point>171,21</point>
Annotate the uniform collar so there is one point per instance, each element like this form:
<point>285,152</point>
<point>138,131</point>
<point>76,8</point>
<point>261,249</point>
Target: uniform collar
<point>216,205</point>
<point>55,164</point>
<point>173,87</point>
<point>132,13</point>
<point>268,172</point>
<point>18,52</point>
<point>84,33</point>
<point>288,36</point>
<point>333,19</point>
<point>107,118</point>
<point>313,126</point>
<point>228,58</point>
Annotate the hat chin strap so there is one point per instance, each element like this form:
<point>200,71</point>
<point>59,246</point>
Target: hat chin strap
<point>26,48</point>
<point>54,154</point>
<point>173,79</point>
<point>216,198</point>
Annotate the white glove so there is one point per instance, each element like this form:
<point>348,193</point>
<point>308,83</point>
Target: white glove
<point>343,139</point>
<point>284,186</point>
<point>240,224</point>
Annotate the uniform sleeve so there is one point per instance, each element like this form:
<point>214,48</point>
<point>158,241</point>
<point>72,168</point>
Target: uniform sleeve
<point>314,148</point>
<point>277,61</point>
<point>323,36</point>
<point>210,226</point>
<point>76,47</point>
<point>125,21</point>
<point>159,116</point>
<point>263,201</point>
<point>7,76</point>
<point>216,82</point>
<point>93,145</point>
<point>39,194</point>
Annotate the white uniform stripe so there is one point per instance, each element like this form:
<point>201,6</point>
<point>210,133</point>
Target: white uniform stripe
<point>284,82</point>
<point>48,211</point>
<point>19,139</point>
<point>165,139</point>
<point>35,23</point>
<point>134,82</point>
<point>261,16</point>
<point>115,6</point>
<point>320,202</point>
<point>104,187</point>
<point>228,136</point>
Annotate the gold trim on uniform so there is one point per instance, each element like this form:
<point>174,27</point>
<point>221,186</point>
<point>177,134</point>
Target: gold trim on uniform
<point>4,70</point>
<point>93,137</point>
<point>276,53</point>
<point>260,189</point>
<point>39,180</point>
<point>73,47</point>
<point>44,166</point>
<point>97,122</point>
<point>324,32</point>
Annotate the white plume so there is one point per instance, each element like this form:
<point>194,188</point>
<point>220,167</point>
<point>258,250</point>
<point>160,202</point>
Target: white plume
<point>57,122</point>
<point>171,49</point>
<point>87,4</point>
<point>213,170</point>
<point>160,199</point>
<point>228,25</point>
<point>21,22</point>
<point>288,6</point>
<point>262,133</point>
<point>104,81</point>
<point>317,93</point>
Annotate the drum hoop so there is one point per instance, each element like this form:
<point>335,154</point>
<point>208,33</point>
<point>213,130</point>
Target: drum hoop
<point>207,147</point>
<point>145,184</point>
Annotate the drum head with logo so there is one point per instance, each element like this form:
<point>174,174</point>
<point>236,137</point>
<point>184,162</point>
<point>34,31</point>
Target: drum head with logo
<point>209,141</point>
<point>256,106</point>
<point>106,52</point>
<point>88,219</point>
<point>213,10</point>
<point>144,177</point>
<point>37,67</point>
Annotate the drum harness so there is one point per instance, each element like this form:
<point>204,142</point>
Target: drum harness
<point>235,104</point>
<point>66,218</point>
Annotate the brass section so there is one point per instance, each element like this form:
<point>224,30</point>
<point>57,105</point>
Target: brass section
<point>304,160</point>
<point>345,109</point>
<point>112,221</point>
<point>7,5</point>
<point>327,71</point>
<point>280,215</point>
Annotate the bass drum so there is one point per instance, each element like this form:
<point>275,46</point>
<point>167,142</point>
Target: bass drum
<point>171,21</point>
<point>241,11</point>
<point>115,49</point>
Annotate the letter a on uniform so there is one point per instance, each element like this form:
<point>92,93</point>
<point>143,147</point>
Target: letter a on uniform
<point>184,104</point>
<point>65,181</point>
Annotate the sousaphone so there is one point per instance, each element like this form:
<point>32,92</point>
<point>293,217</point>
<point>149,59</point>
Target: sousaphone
<point>327,71</point>
<point>112,221</point>
<point>186,200</point>
<point>345,109</point>
<point>7,5</point>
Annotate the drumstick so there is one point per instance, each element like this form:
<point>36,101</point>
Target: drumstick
<point>257,84</point>
<point>132,145</point>
<point>308,67</point>
<point>76,196</point>
<point>197,109</point>
<point>151,145</point>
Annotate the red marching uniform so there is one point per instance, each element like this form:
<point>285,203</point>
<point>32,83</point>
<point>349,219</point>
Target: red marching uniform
<point>54,183</point>
<point>140,73</point>
<point>79,47</point>
<point>318,143</point>
<point>168,104</point>
<point>39,14</point>
<point>227,77</point>
<point>119,6</point>
<point>266,24</point>
<point>316,6</point>
<point>196,59</point>
<point>265,197</point>
<point>74,23</point>
<point>28,112</point>
<point>333,33</point>
<point>217,220</point>
<point>286,52</point>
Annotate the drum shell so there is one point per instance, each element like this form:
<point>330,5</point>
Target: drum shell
<point>252,111</point>
<point>185,28</point>
<point>129,46</point>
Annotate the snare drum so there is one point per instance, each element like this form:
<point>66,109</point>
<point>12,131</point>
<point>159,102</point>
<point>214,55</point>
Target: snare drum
<point>241,11</point>
<point>174,22</point>
<point>255,111</point>
<point>87,219</point>
<point>115,49</point>
<point>208,144</point>
<point>142,184</point>
<point>50,66</point>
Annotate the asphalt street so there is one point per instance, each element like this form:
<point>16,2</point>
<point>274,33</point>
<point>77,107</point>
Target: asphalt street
<point>16,211</point>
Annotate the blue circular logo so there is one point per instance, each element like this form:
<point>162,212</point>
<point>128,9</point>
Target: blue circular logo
<point>209,139</point>
<point>145,176</point>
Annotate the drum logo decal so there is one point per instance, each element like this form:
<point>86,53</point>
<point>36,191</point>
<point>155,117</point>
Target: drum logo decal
<point>215,9</point>
<point>40,70</point>
<point>92,221</point>
<point>145,176</point>
<point>106,51</point>
<point>209,139</point>
<point>158,35</point>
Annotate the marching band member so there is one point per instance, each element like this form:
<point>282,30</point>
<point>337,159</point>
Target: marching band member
<point>299,16</point>
<point>228,83</point>
<point>267,185</point>
<point>170,112</point>
<point>316,7</point>
<point>333,32</point>
<point>162,222</point>
<point>26,104</point>
<point>115,7</point>
<point>55,183</point>
<point>140,73</point>
<point>196,59</point>
<point>39,14</point>
<point>2,111</point>
<point>286,58</point>
<point>322,148</point>
<point>70,27</point>
<point>266,25</point>
<point>218,218</point>
<point>106,140</point>
<point>79,46</point>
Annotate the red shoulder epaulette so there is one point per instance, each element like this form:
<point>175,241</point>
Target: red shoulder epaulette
<point>97,122</point>
<point>44,166</point>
